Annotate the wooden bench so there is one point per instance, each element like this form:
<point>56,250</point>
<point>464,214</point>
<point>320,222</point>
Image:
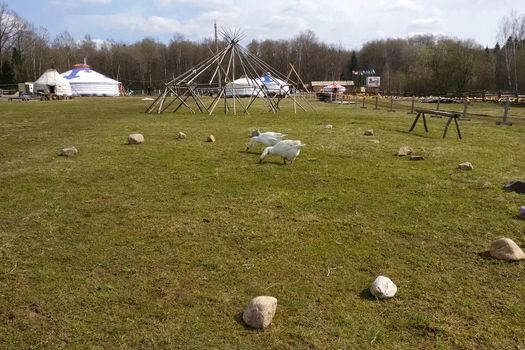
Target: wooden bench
<point>450,115</point>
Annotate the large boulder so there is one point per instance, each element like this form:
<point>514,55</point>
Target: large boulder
<point>383,288</point>
<point>68,152</point>
<point>134,139</point>
<point>506,249</point>
<point>260,311</point>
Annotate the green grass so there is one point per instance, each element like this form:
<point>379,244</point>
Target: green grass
<point>161,245</point>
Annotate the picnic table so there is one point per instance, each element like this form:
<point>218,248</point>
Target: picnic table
<point>451,116</point>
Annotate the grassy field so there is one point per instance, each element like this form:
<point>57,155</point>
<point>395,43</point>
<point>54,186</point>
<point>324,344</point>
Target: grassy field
<point>161,245</point>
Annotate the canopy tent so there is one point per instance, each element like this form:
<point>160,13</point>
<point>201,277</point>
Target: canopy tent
<point>335,88</point>
<point>52,83</point>
<point>86,82</point>
<point>242,87</point>
<point>273,86</point>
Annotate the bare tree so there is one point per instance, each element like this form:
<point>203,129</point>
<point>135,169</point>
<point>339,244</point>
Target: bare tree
<point>512,33</point>
<point>11,25</point>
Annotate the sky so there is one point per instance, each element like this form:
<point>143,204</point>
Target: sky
<point>349,23</point>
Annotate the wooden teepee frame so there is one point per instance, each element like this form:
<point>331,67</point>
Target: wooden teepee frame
<point>219,72</point>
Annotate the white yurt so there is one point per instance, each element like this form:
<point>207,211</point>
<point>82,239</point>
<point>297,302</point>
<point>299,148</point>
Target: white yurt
<point>242,87</point>
<point>334,88</point>
<point>52,83</point>
<point>273,86</point>
<point>86,82</point>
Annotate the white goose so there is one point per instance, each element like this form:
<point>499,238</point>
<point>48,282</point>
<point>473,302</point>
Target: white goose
<point>268,138</point>
<point>287,149</point>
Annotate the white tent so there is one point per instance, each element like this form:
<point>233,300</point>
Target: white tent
<point>52,83</point>
<point>335,88</point>
<point>273,86</point>
<point>242,87</point>
<point>86,82</point>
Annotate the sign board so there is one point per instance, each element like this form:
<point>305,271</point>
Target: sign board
<point>373,82</point>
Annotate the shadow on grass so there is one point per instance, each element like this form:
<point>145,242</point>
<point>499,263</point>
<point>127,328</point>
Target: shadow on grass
<point>239,320</point>
<point>485,255</point>
<point>365,294</point>
<point>406,132</point>
<point>250,152</point>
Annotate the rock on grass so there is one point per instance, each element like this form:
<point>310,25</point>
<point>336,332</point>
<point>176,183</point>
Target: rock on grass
<point>260,311</point>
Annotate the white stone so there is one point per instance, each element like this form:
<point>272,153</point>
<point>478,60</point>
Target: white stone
<point>180,135</point>
<point>404,151</point>
<point>134,139</point>
<point>522,211</point>
<point>328,126</point>
<point>466,166</point>
<point>68,152</point>
<point>369,132</point>
<point>506,249</point>
<point>383,288</point>
<point>260,311</point>
<point>211,138</point>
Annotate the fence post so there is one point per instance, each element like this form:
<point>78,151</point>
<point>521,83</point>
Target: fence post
<point>412,108</point>
<point>439,100</point>
<point>377,100</point>
<point>363,106</point>
<point>465,104</point>
<point>391,104</point>
<point>505,114</point>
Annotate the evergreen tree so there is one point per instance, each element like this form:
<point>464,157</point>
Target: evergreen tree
<point>8,74</point>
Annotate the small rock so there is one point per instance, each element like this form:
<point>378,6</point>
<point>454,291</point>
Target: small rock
<point>180,135</point>
<point>414,157</point>
<point>516,186</point>
<point>466,166</point>
<point>211,138</point>
<point>404,151</point>
<point>506,249</point>
<point>374,140</point>
<point>383,288</point>
<point>328,126</point>
<point>68,152</point>
<point>134,139</point>
<point>369,132</point>
<point>522,212</point>
<point>260,311</point>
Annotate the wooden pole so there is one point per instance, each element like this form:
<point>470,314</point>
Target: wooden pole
<point>391,104</point>
<point>439,100</point>
<point>465,106</point>
<point>505,113</point>
<point>377,101</point>
<point>363,106</point>
<point>412,108</point>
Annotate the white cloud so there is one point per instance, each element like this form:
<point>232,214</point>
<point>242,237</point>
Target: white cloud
<point>424,23</point>
<point>147,25</point>
<point>400,5</point>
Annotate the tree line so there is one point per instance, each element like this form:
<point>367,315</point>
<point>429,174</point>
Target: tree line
<point>418,65</point>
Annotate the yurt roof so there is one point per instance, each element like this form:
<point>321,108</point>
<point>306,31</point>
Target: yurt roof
<point>84,74</point>
<point>51,78</point>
